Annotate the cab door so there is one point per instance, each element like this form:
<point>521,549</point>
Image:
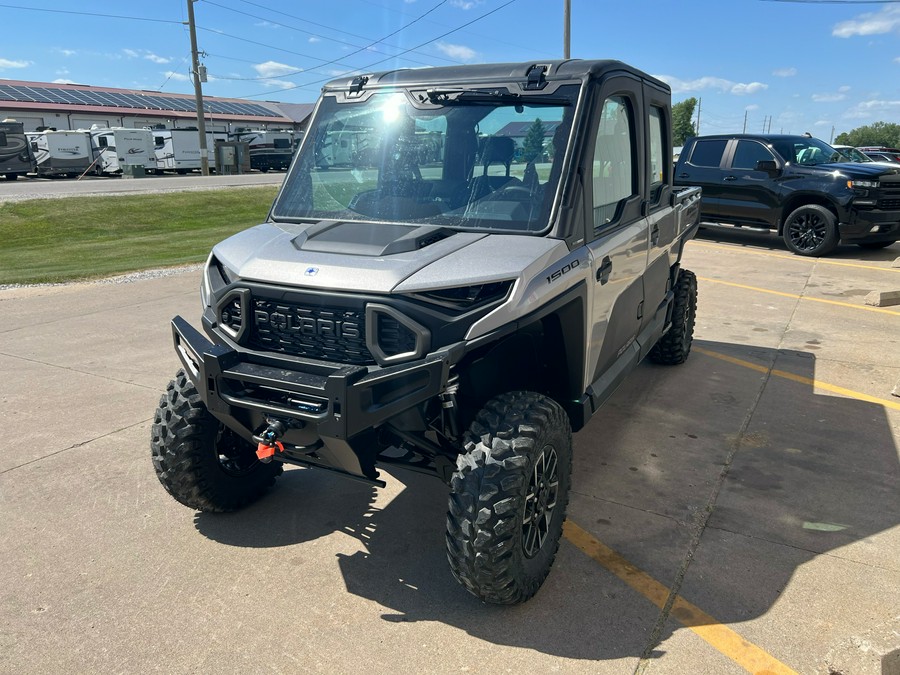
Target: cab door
<point>617,236</point>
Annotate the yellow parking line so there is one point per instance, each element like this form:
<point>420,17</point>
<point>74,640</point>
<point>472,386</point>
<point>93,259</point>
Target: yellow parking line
<point>824,386</point>
<point>795,258</point>
<point>800,297</point>
<point>725,640</point>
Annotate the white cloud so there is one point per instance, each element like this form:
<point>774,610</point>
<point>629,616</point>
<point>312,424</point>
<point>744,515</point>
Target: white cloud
<point>179,77</point>
<point>897,60</point>
<point>828,98</point>
<point>314,39</point>
<point>785,72</point>
<point>130,53</point>
<point>67,52</point>
<point>267,24</point>
<point>822,123</point>
<point>873,109</point>
<point>741,89</point>
<point>150,56</point>
<point>7,63</point>
<point>466,4</point>
<point>844,89</point>
<point>680,86</point>
<point>274,69</point>
<point>283,84</point>
<point>871,23</point>
<point>460,52</point>
<point>62,80</point>
<point>752,107</point>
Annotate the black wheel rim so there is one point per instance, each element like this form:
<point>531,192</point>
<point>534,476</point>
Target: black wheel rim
<point>808,231</point>
<point>236,457</point>
<point>540,501</point>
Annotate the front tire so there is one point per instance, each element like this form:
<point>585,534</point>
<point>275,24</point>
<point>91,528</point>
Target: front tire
<point>674,346</point>
<point>508,497</point>
<point>200,462</point>
<point>811,230</point>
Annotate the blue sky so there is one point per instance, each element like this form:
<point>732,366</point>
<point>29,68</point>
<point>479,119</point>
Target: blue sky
<point>809,65</point>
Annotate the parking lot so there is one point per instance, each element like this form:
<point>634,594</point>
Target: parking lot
<point>738,513</point>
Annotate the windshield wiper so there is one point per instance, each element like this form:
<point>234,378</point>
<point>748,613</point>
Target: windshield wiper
<point>487,97</point>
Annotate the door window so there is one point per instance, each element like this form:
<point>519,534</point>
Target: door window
<point>657,166</point>
<point>708,153</point>
<point>614,153</point>
<point>748,153</point>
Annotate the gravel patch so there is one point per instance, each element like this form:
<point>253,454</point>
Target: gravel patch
<point>129,278</point>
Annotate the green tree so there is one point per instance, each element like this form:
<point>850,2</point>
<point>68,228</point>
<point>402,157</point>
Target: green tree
<point>683,121</point>
<point>879,133</point>
<point>533,145</point>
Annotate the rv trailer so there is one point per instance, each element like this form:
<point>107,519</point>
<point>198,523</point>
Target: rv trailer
<point>116,148</point>
<point>15,153</point>
<point>269,149</point>
<point>61,153</point>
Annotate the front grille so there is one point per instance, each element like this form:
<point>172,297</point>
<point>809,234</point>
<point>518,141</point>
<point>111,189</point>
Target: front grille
<point>393,337</point>
<point>327,333</point>
<point>889,204</point>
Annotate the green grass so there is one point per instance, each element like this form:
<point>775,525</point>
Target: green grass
<point>54,240</point>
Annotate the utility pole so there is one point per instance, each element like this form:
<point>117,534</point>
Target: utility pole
<point>831,140</point>
<point>198,90</point>
<point>745,122</point>
<point>567,16</point>
<point>699,103</point>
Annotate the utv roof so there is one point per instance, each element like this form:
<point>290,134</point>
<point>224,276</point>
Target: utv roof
<point>490,73</point>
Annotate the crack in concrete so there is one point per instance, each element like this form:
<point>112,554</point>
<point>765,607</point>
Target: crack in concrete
<point>75,370</point>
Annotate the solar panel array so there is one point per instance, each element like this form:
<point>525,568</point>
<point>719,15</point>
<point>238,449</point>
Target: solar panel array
<point>24,94</point>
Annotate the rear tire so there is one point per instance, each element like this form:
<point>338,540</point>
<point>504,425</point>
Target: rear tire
<point>674,346</point>
<point>508,497</point>
<point>200,462</point>
<point>811,230</point>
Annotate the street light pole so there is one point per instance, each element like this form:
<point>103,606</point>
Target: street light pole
<point>198,90</point>
<point>567,12</point>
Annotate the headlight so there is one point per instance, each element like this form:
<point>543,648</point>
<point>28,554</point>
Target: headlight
<point>856,184</point>
<point>215,278</point>
<point>467,297</point>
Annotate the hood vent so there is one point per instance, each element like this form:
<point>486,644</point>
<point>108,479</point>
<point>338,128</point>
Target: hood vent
<point>369,239</point>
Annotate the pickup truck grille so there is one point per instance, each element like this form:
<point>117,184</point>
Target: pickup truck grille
<point>326,333</point>
<point>889,204</point>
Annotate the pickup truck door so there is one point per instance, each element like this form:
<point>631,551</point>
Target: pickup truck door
<point>703,165</point>
<point>618,239</point>
<point>747,195</point>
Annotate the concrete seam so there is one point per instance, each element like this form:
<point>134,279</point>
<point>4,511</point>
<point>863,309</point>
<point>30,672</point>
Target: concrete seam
<point>75,370</point>
<point>632,508</point>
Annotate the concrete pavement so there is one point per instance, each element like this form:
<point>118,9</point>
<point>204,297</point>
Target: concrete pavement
<point>752,492</point>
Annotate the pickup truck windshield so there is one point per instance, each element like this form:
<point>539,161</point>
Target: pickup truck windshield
<point>480,161</point>
<point>806,151</point>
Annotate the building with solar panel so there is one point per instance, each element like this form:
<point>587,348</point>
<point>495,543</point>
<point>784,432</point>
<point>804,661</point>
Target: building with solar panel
<point>40,105</point>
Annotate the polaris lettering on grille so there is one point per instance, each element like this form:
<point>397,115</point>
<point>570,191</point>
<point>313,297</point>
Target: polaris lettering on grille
<point>295,322</point>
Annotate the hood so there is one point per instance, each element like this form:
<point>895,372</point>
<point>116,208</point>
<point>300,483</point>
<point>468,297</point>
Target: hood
<point>346,256</point>
<point>851,169</point>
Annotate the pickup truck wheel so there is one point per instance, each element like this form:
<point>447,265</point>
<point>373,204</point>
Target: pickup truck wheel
<point>811,230</point>
<point>508,497</point>
<point>199,461</point>
<point>675,345</point>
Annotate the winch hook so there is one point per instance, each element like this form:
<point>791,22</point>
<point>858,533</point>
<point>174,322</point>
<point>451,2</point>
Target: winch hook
<point>268,441</point>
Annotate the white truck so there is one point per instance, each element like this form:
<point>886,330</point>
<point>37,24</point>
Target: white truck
<point>116,148</point>
<point>61,153</point>
<point>178,150</point>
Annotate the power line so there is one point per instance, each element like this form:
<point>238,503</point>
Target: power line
<point>324,62</point>
<point>91,14</point>
<point>371,65</point>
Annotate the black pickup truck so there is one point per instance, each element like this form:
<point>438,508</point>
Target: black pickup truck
<point>798,186</point>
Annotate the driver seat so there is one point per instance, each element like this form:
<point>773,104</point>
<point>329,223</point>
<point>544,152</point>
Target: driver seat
<point>495,150</point>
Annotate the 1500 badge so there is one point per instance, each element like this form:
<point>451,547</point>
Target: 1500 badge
<point>565,269</point>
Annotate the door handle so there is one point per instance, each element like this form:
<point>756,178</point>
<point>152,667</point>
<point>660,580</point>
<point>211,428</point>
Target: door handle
<point>604,270</point>
<point>684,175</point>
<point>729,178</point>
<point>654,235</point>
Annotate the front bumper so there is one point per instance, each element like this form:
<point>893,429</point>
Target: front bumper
<point>869,225</point>
<point>325,406</point>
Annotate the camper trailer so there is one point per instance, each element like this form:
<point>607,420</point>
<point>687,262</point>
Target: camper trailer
<point>116,148</point>
<point>61,153</point>
<point>179,149</point>
<point>15,153</point>
<point>269,149</point>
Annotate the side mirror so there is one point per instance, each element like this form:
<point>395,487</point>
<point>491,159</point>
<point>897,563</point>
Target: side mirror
<point>770,166</point>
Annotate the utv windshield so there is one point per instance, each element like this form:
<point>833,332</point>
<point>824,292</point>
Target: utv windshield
<point>466,159</point>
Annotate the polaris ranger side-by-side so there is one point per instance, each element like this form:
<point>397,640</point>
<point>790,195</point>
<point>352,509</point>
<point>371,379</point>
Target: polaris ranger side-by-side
<point>457,300</point>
